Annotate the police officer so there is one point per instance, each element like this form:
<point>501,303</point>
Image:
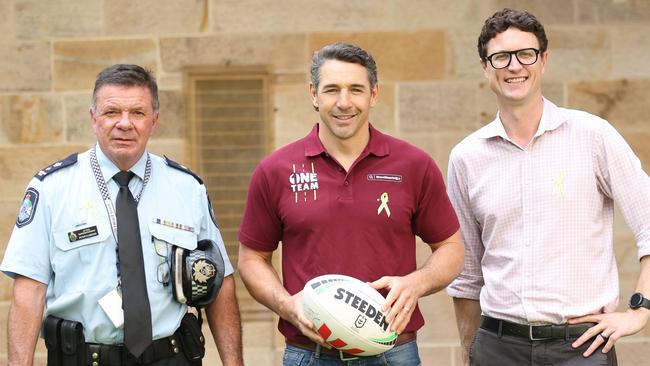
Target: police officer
<point>65,256</point>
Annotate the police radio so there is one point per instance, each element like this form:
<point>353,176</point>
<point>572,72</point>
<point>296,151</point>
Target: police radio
<point>197,274</point>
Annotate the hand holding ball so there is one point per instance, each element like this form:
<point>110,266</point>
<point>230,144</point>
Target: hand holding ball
<point>346,312</point>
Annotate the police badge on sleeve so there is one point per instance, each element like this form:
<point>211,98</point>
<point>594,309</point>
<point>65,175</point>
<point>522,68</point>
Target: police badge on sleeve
<point>27,207</point>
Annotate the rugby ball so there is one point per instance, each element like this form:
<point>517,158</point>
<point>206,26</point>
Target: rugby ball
<point>346,312</point>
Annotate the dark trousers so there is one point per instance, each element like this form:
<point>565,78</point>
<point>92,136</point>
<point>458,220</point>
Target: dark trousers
<point>488,349</point>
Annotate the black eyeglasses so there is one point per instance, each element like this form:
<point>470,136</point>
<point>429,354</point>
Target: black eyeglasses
<point>525,56</point>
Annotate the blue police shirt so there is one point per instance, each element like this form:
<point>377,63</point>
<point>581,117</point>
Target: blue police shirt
<point>63,238</point>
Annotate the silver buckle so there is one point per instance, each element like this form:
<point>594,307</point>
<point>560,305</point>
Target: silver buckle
<point>343,358</point>
<point>530,334</point>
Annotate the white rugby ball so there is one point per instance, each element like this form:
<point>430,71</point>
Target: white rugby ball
<point>347,313</point>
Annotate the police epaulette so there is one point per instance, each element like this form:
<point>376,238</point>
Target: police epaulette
<point>182,168</point>
<point>70,160</point>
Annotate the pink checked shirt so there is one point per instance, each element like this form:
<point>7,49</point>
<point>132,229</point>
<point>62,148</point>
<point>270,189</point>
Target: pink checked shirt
<point>537,222</point>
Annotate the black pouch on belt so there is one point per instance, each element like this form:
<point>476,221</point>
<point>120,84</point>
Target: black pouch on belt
<point>72,343</point>
<point>192,339</point>
<point>51,332</point>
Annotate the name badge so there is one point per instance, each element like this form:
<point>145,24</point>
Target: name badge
<point>84,233</point>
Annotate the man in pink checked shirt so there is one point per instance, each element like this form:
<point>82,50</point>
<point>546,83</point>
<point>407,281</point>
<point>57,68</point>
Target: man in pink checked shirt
<point>535,191</point>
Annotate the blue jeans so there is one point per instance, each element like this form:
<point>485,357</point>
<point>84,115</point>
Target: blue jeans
<point>404,355</point>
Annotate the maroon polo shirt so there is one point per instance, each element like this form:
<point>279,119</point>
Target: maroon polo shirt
<point>361,223</point>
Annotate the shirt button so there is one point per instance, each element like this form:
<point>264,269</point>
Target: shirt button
<point>346,183</point>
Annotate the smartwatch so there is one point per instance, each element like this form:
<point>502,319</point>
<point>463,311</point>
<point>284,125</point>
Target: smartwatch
<point>637,300</point>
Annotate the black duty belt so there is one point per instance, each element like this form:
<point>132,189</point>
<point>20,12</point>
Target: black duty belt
<point>534,332</point>
<point>118,355</point>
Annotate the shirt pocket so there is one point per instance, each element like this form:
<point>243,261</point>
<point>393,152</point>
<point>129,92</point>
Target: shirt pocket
<point>163,239</point>
<point>178,237</point>
<point>82,255</point>
<point>79,240</point>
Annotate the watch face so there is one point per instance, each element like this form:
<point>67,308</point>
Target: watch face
<point>636,300</point>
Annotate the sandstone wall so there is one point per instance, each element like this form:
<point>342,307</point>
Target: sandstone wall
<point>432,89</point>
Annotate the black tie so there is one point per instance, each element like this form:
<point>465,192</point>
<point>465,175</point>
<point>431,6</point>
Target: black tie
<point>135,301</point>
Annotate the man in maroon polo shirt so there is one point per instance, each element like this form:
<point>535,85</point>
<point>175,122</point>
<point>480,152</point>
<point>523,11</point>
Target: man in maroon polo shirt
<point>347,199</point>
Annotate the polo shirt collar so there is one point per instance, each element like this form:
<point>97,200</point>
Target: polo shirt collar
<point>552,118</point>
<point>377,145</point>
<point>109,169</point>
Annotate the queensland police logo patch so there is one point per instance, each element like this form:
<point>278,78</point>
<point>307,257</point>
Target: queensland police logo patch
<point>203,271</point>
<point>27,207</point>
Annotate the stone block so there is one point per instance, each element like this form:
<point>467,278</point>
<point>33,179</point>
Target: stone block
<point>612,11</point>
<point>624,103</point>
<point>281,52</point>
<point>638,141</point>
<point>170,81</point>
<point>124,17</point>
<point>629,54</point>
<point>55,18</point>
<point>6,19</point>
<point>77,63</point>
<point>8,214</point>
<point>19,164</point>
<point>438,312</point>
<point>25,66</point>
<point>577,54</point>
<point>78,125</point>
<point>382,116</point>
<point>432,14</point>
<point>582,38</point>
<point>434,354</point>
<point>486,103</point>
<point>437,107</point>
<point>438,145</point>
<point>172,123</point>
<point>175,149</point>
<point>464,61</point>
<point>402,56</point>
<point>299,16</point>
<point>6,293</point>
<point>292,78</point>
<point>547,12</point>
<point>341,15</point>
<point>633,353</point>
<point>4,312</point>
<point>294,116</point>
<point>29,119</point>
<point>555,92</point>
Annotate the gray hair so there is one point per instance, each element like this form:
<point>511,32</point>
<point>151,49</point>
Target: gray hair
<point>127,75</point>
<point>343,52</point>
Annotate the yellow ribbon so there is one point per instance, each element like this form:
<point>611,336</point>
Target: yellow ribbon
<point>559,185</point>
<point>384,204</point>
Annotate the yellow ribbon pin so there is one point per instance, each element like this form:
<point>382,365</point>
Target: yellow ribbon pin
<point>558,188</point>
<point>384,204</point>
